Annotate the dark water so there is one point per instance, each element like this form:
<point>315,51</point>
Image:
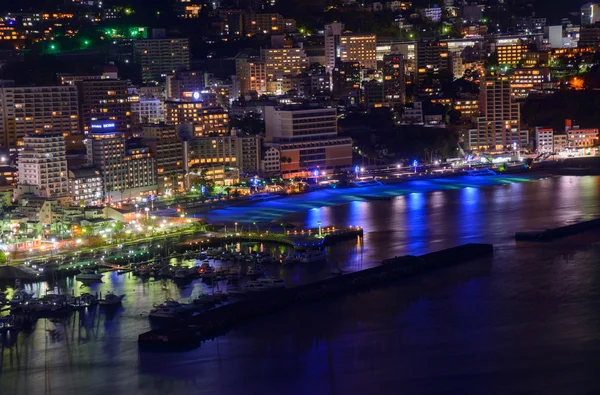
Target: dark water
<point>523,321</point>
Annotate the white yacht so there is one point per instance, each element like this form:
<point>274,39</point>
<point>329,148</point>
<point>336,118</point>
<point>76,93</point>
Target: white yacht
<point>271,282</point>
<point>313,256</point>
<point>111,299</point>
<point>89,275</point>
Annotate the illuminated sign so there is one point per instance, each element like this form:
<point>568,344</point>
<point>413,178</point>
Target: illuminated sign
<point>106,125</point>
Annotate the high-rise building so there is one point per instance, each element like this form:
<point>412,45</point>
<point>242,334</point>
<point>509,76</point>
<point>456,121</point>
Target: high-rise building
<point>148,110</point>
<point>29,110</point>
<point>333,32</point>
<point>212,151</point>
<point>184,83</point>
<point>282,60</point>
<point>251,74</point>
<point>359,48</point>
<point>127,172</point>
<point>266,24</point>
<point>393,79</point>
<point>374,94</point>
<point>307,137</point>
<point>86,185</point>
<point>511,53</point>
<point>523,81</point>
<point>161,57</point>
<point>43,165</point>
<point>499,126</point>
<point>346,79</point>
<point>249,148</point>
<point>432,57</point>
<point>104,100</point>
<point>349,47</point>
<point>207,119</point>
<point>590,13</point>
<point>167,150</point>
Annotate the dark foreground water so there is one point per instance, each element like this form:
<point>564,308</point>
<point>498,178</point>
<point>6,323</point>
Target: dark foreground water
<point>523,321</point>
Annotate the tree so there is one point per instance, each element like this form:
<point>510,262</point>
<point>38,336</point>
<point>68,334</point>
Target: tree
<point>2,257</point>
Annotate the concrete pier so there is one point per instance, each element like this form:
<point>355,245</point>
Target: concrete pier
<point>218,321</point>
<point>556,233</point>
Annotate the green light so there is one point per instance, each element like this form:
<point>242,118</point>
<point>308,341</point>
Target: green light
<point>86,42</point>
<point>52,47</point>
<point>128,11</point>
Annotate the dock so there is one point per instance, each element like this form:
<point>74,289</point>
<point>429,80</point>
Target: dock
<point>557,233</point>
<point>218,321</point>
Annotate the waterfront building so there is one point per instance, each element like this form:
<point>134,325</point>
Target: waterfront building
<point>128,172</point>
<point>249,150</point>
<point>544,140</point>
<point>161,57</point>
<point>39,109</point>
<point>271,162</point>
<point>209,151</point>
<point>167,150</point>
<point>308,136</point>
<point>104,100</point>
<point>499,126</point>
<point>580,138</point>
<point>43,166</point>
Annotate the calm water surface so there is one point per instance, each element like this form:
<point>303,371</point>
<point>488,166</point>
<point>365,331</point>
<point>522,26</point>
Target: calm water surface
<point>523,321</point>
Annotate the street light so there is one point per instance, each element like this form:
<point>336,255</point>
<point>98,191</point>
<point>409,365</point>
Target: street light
<point>136,207</point>
<point>319,223</point>
<point>235,227</point>
<point>147,213</point>
<point>283,226</point>
<point>257,231</point>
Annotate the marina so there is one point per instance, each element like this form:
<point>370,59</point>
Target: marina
<point>242,358</point>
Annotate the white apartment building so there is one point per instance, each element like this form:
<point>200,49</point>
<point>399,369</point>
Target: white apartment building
<point>149,109</point>
<point>28,110</point>
<point>161,57</point>
<point>544,140</point>
<point>43,166</point>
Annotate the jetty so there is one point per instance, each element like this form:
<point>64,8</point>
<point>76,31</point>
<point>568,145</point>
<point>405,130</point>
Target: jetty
<point>218,321</point>
<point>556,233</point>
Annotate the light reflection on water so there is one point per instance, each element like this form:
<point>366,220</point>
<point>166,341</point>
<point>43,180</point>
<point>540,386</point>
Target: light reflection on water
<point>503,324</point>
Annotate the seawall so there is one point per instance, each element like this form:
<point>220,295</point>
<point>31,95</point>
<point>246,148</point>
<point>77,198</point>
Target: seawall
<point>556,233</point>
<point>218,321</point>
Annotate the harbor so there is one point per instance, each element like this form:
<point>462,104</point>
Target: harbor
<point>217,321</point>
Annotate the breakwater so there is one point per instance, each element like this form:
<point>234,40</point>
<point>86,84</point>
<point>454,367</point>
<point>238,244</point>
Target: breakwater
<point>218,321</point>
<point>556,233</point>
